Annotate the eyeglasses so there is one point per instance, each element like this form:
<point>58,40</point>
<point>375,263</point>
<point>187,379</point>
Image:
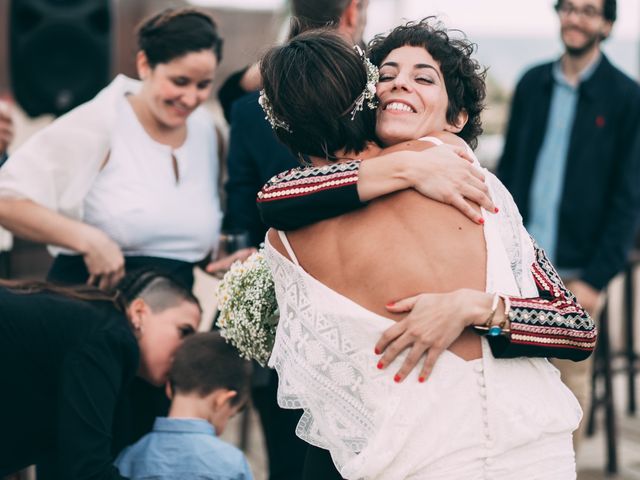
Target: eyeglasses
<point>589,12</point>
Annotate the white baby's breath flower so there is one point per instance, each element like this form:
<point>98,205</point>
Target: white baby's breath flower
<point>248,308</point>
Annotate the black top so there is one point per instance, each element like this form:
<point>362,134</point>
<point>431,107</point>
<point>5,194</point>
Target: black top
<point>601,194</point>
<point>230,91</point>
<point>255,155</point>
<point>65,366</point>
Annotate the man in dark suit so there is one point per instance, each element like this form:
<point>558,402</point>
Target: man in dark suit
<point>572,161</point>
<point>255,155</point>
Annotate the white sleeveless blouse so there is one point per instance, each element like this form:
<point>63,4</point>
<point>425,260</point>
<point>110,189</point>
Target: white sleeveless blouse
<point>483,419</point>
<point>136,200</point>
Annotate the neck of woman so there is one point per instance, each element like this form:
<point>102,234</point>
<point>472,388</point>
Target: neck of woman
<point>158,131</point>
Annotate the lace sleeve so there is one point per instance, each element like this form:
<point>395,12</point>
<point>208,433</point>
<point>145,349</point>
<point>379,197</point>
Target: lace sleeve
<point>305,195</point>
<point>553,324</point>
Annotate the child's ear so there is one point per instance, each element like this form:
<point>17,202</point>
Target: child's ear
<point>168,391</point>
<point>223,398</point>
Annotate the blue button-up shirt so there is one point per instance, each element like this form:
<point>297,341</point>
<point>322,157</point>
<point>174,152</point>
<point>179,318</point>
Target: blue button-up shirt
<point>185,449</point>
<point>549,174</point>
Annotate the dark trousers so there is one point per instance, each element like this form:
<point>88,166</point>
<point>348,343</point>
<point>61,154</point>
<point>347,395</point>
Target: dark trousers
<point>285,451</point>
<point>319,466</point>
<point>71,270</point>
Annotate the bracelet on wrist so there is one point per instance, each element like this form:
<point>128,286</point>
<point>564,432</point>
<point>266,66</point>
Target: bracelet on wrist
<point>488,328</point>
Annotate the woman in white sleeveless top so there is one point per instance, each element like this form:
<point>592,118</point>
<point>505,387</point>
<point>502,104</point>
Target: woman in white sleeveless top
<point>483,418</point>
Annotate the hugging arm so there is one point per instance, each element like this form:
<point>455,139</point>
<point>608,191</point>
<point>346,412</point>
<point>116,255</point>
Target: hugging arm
<point>305,195</point>
<point>553,324</point>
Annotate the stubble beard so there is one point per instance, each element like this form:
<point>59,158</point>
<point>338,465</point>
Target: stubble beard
<point>590,43</point>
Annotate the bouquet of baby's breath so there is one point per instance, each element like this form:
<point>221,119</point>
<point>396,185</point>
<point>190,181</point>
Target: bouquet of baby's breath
<point>248,308</point>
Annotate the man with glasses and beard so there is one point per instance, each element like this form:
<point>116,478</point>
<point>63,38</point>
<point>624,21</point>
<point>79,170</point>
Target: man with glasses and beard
<point>572,162</point>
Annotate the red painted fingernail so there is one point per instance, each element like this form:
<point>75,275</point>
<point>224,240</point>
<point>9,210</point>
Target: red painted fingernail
<point>496,210</point>
<point>422,379</point>
<point>391,304</point>
<point>397,378</point>
<point>380,365</point>
<point>377,351</point>
<point>481,221</point>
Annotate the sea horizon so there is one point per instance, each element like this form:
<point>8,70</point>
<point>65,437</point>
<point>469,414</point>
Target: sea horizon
<point>508,57</point>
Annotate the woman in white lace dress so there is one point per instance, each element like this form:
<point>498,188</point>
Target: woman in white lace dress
<point>474,416</point>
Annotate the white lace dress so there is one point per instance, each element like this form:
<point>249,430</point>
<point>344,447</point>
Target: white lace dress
<point>484,419</point>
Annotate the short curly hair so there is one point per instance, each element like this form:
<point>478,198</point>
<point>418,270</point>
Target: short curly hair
<point>464,77</point>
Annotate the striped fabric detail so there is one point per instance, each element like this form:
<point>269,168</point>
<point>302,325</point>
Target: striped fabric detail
<point>299,182</point>
<point>555,319</point>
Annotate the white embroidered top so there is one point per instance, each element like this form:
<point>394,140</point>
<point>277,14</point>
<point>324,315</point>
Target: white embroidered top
<point>377,429</point>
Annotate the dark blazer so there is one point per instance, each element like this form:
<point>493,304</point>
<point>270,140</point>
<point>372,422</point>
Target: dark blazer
<point>255,155</point>
<point>601,195</point>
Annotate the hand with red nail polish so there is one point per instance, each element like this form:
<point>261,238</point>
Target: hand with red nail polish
<point>434,322</point>
<point>445,173</point>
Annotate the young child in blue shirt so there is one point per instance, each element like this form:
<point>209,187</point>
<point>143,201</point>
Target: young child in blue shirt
<point>208,384</point>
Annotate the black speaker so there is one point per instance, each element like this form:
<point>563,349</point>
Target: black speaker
<point>59,52</point>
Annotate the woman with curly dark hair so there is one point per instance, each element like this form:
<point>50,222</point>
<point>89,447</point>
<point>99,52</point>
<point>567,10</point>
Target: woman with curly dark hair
<point>484,410</point>
<point>463,80</point>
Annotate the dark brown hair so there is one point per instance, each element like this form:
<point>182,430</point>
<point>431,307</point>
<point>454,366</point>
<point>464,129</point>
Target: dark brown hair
<point>609,9</point>
<point>315,14</point>
<point>463,75</point>
<point>312,83</point>
<point>206,362</point>
<point>172,34</point>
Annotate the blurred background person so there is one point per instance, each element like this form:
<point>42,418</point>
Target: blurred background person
<point>112,185</point>
<point>572,162</point>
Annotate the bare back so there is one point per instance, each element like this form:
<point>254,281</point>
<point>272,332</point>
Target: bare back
<point>398,246</point>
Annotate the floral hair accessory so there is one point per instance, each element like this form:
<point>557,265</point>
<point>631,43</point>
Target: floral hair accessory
<point>275,122</point>
<point>369,92</point>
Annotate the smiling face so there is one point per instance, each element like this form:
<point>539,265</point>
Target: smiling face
<point>582,25</point>
<point>172,91</point>
<point>413,96</point>
<point>160,334</point>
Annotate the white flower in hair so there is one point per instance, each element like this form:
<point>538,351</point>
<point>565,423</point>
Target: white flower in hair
<point>275,122</point>
<point>369,92</point>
